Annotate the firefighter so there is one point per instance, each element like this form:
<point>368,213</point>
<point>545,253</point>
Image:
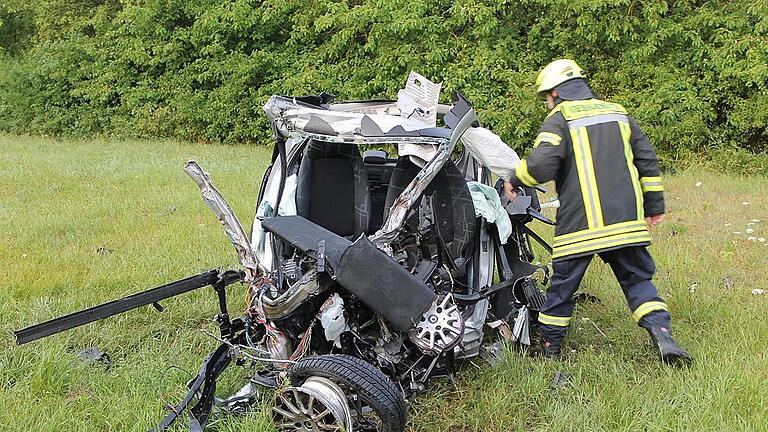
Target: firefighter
<point>609,185</point>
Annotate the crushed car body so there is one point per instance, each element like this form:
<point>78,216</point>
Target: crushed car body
<point>367,275</point>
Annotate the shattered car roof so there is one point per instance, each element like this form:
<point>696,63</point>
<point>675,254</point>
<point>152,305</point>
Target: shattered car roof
<point>410,122</point>
<point>294,116</point>
<point>412,116</point>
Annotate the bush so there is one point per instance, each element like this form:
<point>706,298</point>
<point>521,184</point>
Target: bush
<point>694,73</point>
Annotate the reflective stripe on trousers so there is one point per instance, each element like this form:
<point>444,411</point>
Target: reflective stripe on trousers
<point>633,268</point>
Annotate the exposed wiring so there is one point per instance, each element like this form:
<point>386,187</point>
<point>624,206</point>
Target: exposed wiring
<point>240,349</point>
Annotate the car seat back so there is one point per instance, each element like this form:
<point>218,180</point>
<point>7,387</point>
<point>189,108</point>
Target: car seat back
<point>332,188</point>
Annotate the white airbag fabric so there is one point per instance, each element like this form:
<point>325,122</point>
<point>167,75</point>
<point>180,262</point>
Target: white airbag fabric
<point>489,149</point>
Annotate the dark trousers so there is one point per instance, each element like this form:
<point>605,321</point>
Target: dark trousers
<point>633,268</point>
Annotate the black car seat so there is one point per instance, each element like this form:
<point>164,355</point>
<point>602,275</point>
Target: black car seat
<point>332,188</point>
<point>451,201</point>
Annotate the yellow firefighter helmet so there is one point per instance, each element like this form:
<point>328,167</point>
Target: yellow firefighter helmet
<point>556,73</point>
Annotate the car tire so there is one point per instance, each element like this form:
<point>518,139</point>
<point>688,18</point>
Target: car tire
<point>361,380</point>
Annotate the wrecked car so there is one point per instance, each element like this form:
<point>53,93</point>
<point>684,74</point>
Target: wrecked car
<point>370,264</point>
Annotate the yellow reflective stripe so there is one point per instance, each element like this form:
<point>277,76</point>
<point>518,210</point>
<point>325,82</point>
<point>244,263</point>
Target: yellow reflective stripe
<point>586,170</point>
<point>573,110</point>
<point>626,134</point>
<point>554,320</point>
<point>651,184</point>
<point>554,111</point>
<point>592,178</point>
<point>589,234</point>
<point>601,243</point>
<point>549,137</point>
<point>577,152</point>
<point>646,308</point>
<point>522,174</point>
<point>597,119</point>
<point>597,230</point>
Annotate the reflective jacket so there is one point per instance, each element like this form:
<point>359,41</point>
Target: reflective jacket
<point>606,173</point>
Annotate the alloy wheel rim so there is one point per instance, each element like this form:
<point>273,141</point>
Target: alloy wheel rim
<point>317,405</point>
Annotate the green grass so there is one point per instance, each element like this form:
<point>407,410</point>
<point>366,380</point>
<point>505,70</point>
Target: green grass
<point>84,222</point>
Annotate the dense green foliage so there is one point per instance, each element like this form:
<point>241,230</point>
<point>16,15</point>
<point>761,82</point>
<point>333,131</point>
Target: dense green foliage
<point>694,72</point>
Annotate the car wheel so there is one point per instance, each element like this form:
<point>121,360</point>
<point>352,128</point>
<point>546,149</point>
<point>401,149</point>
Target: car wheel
<point>339,392</point>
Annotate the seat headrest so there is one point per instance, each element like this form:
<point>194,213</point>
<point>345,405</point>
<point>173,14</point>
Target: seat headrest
<point>320,149</point>
<point>375,157</point>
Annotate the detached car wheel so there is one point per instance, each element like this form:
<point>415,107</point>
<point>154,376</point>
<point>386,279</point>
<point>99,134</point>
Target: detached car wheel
<point>339,392</point>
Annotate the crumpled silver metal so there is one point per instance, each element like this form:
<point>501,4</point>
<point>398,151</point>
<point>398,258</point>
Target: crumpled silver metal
<point>399,210</point>
<point>234,230</point>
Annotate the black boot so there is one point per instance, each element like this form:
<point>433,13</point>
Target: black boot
<point>550,349</point>
<point>669,351</point>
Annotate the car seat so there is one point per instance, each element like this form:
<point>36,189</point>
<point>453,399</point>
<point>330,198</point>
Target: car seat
<point>332,188</point>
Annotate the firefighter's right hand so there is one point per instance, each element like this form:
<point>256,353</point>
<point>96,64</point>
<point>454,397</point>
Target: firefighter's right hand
<point>509,191</point>
<point>654,220</point>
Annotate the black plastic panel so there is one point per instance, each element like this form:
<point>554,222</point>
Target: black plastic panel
<point>383,285</point>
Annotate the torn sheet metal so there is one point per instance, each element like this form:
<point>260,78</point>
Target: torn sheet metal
<point>226,216</point>
<point>292,116</point>
<point>561,379</point>
<point>472,338</point>
<point>94,355</point>
<point>416,108</point>
<point>493,353</point>
<point>286,303</point>
<point>399,210</point>
<point>419,154</point>
<point>520,330</point>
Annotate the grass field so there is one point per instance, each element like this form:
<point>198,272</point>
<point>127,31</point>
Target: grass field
<point>87,222</point>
